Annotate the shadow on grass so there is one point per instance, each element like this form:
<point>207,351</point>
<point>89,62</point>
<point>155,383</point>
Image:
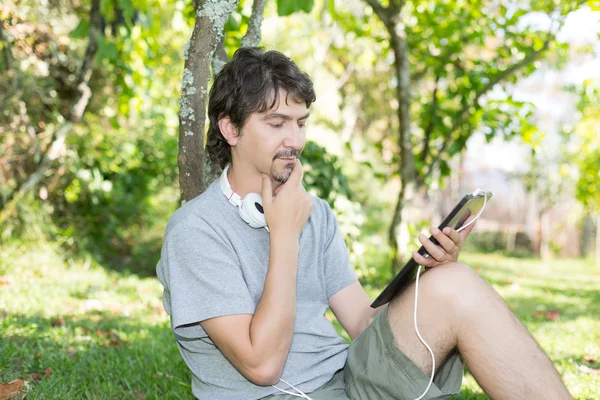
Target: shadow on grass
<point>96,356</point>
<point>139,258</point>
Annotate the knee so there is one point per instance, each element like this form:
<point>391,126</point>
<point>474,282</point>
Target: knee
<point>454,284</point>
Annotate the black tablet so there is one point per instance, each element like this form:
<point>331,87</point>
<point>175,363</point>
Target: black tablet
<point>469,205</point>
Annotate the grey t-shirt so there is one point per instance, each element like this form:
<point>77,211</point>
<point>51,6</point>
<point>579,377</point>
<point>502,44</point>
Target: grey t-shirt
<point>214,264</point>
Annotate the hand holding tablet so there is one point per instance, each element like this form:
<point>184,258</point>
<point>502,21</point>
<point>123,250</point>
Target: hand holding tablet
<point>458,219</point>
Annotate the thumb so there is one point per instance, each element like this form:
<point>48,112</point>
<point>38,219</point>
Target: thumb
<point>465,232</point>
<point>267,190</point>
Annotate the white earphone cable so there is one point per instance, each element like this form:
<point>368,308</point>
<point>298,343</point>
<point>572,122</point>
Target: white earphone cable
<point>417,297</point>
<point>301,395</point>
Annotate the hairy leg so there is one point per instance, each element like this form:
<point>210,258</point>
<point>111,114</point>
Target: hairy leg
<point>458,310</point>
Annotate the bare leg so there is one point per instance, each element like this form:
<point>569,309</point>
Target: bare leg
<point>459,310</point>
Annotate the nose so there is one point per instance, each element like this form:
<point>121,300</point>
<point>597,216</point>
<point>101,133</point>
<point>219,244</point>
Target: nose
<point>294,138</point>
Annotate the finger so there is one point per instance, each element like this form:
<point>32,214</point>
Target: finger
<point>434,250</point>
<point>465,232</point>
<point>267,190</point>
<point>278,189</point>
<point>424,261</point>
<point>453,235</point>
<point>446,242</point>
<point>296,175</point>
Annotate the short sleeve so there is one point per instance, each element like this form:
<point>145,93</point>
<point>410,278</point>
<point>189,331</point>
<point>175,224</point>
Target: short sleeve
<point>202,278</point>
<point>338,271</point>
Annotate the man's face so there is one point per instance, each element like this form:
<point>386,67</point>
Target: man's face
<point>270,142</point>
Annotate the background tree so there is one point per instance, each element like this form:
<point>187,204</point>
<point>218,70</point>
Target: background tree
<point>71,110</point>
<point>84,135</point>
<point>447,58</point>
<point>585,152</point>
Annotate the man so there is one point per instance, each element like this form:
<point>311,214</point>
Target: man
<point>247,304</point>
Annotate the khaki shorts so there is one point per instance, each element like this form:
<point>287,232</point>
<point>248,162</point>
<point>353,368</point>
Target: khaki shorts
<point>376,370</point>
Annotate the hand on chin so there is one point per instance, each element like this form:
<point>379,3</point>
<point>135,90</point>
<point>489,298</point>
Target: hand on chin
<point>278,189</point>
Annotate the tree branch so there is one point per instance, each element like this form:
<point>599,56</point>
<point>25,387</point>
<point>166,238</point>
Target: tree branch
<point>465,113</point>
<point>92,47</point>
<point>252,36</point>
<point>379,10</point>
<point>219,57</point>
<point>395,6</point>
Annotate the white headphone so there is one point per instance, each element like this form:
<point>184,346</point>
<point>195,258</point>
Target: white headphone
<point>250,207</point>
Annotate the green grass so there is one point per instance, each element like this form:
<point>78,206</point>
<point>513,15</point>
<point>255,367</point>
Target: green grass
<point>104,334</point>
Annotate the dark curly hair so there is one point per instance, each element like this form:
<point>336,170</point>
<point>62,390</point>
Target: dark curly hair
<point>249,83</point>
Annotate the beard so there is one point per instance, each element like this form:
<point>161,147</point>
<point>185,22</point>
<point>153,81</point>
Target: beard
<point>282,174</point>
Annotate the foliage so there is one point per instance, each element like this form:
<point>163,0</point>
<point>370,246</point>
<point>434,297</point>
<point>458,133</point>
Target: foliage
<point>323,174</point>
<point>459,52</point>
<point>586,149</point>
<point>116,176</point>
<point>100,195</point>
<point>288,7</point>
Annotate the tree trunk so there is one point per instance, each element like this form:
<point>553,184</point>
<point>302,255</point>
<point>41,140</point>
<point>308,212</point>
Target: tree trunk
<point>545,235</point>
<point>211,16</point>
<point>391,18</point>
<point>597,253</point>
<point>206,47</point>
<point>407,166</point>
<point>586,247</point>
<point>407,191</point>
<point>513,218</point>
<point>531,227</point>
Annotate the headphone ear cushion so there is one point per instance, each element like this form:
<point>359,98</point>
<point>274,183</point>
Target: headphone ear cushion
<point>252,212</point>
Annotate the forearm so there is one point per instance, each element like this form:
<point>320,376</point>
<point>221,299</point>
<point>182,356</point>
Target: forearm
<point>272,327</point>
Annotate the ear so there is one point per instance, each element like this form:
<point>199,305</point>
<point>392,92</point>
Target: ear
<point>229,131</point>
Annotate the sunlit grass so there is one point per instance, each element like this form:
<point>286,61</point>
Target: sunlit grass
<point>104,335</point>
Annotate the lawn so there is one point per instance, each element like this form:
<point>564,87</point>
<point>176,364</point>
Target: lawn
<point>75,330</point>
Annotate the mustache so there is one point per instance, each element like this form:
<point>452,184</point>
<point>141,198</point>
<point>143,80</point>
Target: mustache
<point>287,154</point>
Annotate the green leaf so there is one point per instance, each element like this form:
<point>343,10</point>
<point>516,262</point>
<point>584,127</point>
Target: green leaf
<point>233,23</point>
<point>107,9</point>
<point>444,168</point>
<point>456,147</point>
<point>107,50</point>
<point>128,9</point>
<point>288,7</point>
<point>81,31</point>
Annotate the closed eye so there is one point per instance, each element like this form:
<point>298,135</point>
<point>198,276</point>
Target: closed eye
<point>276,126</point>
